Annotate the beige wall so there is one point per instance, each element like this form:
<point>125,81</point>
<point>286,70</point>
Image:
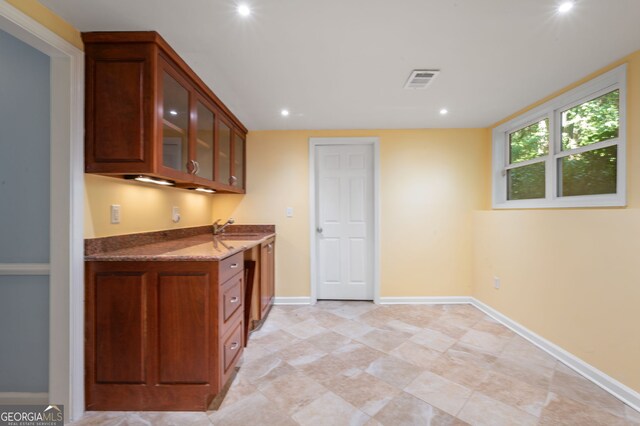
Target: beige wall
<point>577,285</point>
<point>571,275</point>
<point>143,207</point>
<point>47,18</point>
<point>431,183</point>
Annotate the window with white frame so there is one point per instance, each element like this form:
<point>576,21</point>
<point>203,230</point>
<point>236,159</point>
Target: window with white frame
<point>568,152</point>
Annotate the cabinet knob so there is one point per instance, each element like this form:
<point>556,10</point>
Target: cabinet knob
<point>197,167</point>
<point>234,299</point>
<point>319,230</point>
<point>234,346</point>
<point>233,266</point>
<point>233,180</point>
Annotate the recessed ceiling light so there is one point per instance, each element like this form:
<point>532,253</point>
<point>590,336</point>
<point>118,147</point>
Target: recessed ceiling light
<point>284,112</point>
<point>173,112</point>
<point>565,7</point>
<point>444,111</point>
<point>244,10</point>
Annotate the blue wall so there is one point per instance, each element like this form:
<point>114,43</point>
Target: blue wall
<point>24,215</point>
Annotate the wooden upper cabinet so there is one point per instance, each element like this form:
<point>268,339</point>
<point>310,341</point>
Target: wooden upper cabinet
<point>148,113</point>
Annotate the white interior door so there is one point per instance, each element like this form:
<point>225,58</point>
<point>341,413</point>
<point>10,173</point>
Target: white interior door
<point>344,216</point>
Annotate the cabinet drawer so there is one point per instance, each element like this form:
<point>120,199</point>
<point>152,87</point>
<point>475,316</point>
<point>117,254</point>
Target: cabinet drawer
<point>230,266</point>
<point>231,300</point>
<point>232,348</point>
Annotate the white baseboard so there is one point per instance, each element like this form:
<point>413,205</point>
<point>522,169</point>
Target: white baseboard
<point>292,301</point>
<point>448,300</point>
<point>23,398</point>
<point>606,382</point>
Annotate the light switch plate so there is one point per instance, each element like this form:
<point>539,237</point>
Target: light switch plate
<point>289,211</point>
<point>175,214</point>
<point>115,214</point>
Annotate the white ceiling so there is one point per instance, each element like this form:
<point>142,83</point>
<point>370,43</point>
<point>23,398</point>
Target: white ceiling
<point>342,64</point>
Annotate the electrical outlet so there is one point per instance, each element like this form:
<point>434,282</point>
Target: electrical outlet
<point>175,214</point>
<point>115,214</point>
<point>496,282</point>
<point>289,211</point>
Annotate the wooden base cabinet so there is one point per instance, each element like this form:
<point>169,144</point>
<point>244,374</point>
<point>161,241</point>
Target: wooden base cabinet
<point>267,277</point>
<point>161,335</point>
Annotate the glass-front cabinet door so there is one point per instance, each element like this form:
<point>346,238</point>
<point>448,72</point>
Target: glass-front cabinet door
<point>204,144</point>
<point>200,148</point>
<point>238,161</point>
<point>224,153</point>
<point>175,124</point>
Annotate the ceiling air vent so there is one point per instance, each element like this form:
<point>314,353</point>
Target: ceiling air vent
<point>420,79</point>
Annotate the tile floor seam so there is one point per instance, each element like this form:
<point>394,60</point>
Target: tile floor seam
<point>465,404</point>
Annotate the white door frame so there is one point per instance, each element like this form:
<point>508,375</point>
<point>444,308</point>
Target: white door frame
<point>66,288</point>
<point>375,143</point>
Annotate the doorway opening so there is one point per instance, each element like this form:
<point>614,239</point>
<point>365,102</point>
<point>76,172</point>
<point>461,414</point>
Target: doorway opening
<point>65,204</point>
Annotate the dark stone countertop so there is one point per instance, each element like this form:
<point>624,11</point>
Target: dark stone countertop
<point>187,244</point>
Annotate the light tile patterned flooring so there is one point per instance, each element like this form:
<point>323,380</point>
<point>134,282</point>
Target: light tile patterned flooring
<point>355,363</point>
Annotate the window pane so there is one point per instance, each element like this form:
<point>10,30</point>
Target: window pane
<point>530,142</point>
<point>594,121</point>
<point>589,173</point>
<point>526,182</point>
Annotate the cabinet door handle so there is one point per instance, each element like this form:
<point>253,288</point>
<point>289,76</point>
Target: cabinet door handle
<point>233,180</point>
<point>234,299</point>
<point>234,346</point>
<point>233,266</point>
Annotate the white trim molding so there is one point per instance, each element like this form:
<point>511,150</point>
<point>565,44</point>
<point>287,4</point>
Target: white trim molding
<point>603,380</point>
<point>445,300</point>
<point>24,269</point>
<point>301,300</point>
<point>23,398</point>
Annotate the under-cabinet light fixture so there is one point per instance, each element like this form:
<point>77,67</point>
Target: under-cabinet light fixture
<point>148,179</point>
<point>207,190</point>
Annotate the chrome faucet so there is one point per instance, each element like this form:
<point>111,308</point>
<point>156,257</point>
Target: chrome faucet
<point>219,229</point>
